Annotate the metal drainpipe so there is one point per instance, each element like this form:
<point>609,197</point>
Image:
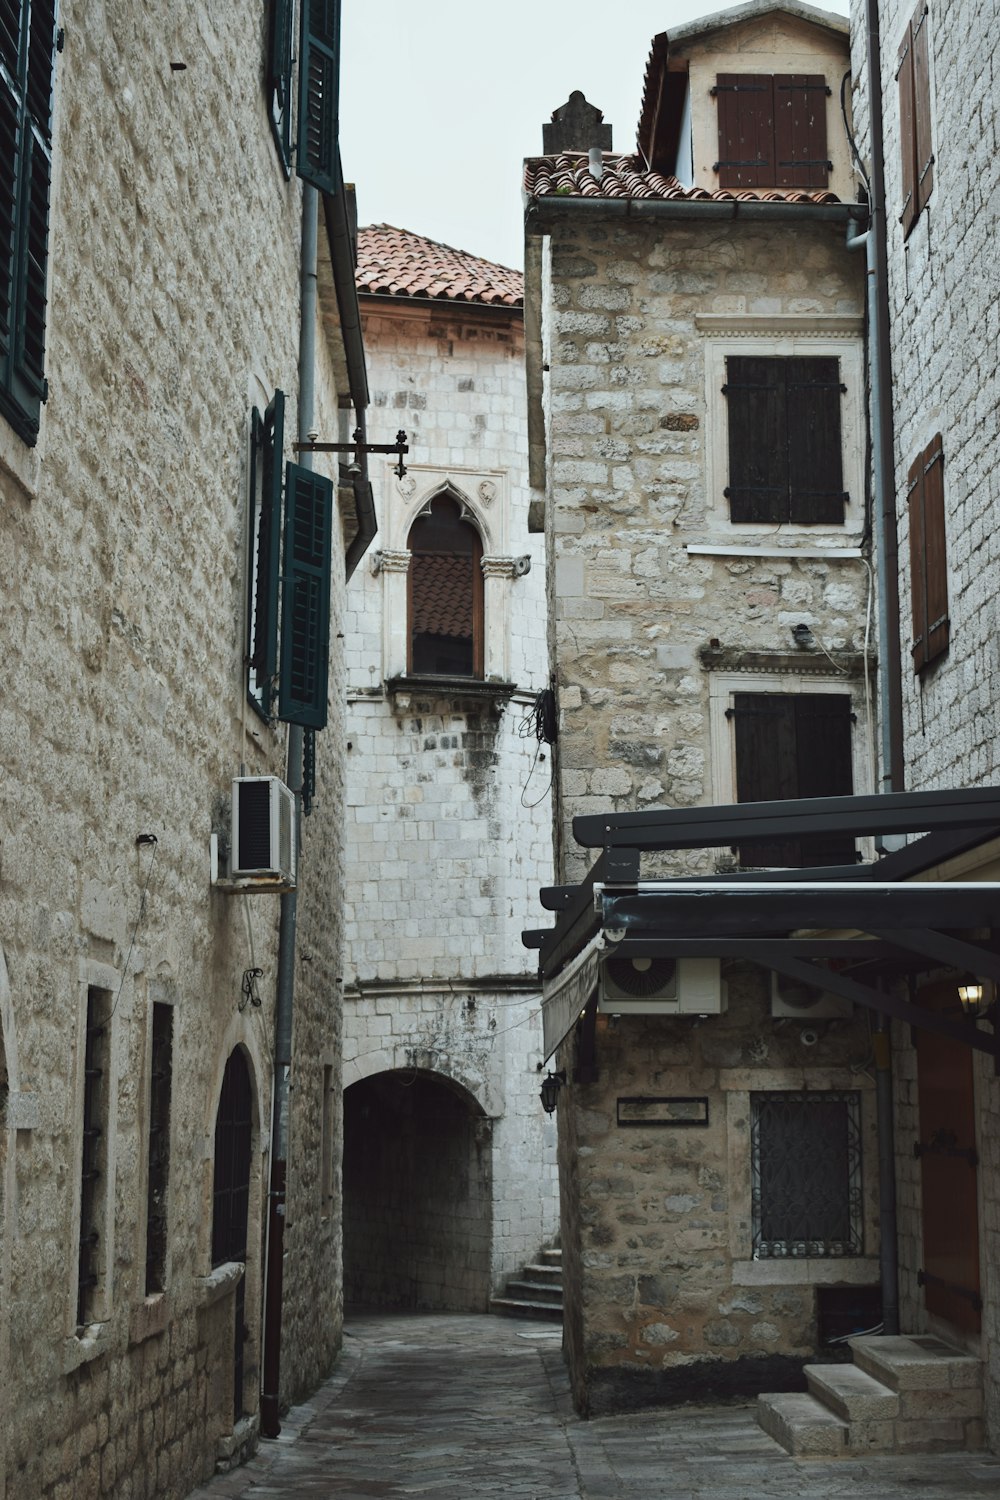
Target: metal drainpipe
<point>890,675</point>
<point>270,1425</point>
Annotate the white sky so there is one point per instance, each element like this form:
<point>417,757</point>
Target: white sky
<point>441,100</point>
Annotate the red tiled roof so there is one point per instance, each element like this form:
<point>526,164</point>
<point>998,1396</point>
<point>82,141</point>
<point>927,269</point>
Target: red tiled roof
<point>569,176</point>
<point>396,263</point>
<point>441,588</point>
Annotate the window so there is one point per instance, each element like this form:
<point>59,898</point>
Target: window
<point>917,156</point>
<point>793,745</point>
<point>319,78</point>
<point>27,51</point>
<point>785,442</point>
<point>288,577</point>
<point>772,130</point>
<point>928,555</point>
<point>94,1158</point>
<point>158,1154</point>
<point>446,593</point>
<point>328,1103</point>
<point>805,1159</point>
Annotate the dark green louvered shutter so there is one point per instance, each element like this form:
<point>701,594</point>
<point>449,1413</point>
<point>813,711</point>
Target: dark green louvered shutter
<point>319,82</point>
<point>305,606</point>
<point>265,550</point>
<point>279,78</point>
<point>27,50</point>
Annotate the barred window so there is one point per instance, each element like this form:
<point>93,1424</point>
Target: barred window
<point>805,1153</point>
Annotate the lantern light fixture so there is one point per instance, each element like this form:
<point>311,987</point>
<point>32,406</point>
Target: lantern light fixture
<point>552,1083</point>
<point>978,998</point>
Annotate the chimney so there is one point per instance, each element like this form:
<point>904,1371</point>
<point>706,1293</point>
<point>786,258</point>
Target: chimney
<point>576,126</point>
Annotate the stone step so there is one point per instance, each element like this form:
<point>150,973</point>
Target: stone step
<point>802,1425</point>
<point>552,1256</point>
<point>852,1394</point>
<point>932,1377</point>
<point>550,1274</point>
<point>533,1291</point>
<point>517,1307</point>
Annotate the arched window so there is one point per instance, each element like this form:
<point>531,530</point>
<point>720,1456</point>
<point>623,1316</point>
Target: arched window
<point>446,593</point>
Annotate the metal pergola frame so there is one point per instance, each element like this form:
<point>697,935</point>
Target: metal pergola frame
<point>782,919</point>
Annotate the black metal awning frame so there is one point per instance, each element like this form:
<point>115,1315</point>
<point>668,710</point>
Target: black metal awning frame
<point>782,919</point>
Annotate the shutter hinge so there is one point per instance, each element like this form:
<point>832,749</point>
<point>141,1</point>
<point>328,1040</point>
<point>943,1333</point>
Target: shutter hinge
<point>725,390</point>
<point>60,39</point>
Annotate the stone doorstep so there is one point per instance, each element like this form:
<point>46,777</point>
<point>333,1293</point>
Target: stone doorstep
<point>516,1307</point>
<point>921,1363</point>
<point>851,1394</point>
<point>533,1291</point>
<point>802,1425</point>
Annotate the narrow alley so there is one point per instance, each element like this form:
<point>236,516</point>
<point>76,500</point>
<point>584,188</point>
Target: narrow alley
<point>450,1408</point>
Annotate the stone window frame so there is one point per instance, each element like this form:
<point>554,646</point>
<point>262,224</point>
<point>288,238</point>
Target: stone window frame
<point>483,495</point>
<point>784,336</point>
<point>81,1346</point>
<point>796,1270</point>
<point>793,681</point>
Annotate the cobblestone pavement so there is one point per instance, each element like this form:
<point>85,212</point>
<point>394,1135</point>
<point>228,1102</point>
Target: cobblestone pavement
<point>477,1408</point>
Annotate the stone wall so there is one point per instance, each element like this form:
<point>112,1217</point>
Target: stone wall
<point>448,812</point>
<point>173,309</point>
<point>666,1300</point>
<point>944,293</point>
<point>644,610</point>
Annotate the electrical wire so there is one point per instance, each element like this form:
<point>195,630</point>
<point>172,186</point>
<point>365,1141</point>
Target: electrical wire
<point>851,141</point>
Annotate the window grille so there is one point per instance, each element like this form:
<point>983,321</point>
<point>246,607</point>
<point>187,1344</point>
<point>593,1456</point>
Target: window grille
<point>160,1082</point>
<point>94,1155</point>
<point>806,1194</point>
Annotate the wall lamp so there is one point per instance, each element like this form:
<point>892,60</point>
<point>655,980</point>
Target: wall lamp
<point>978,999</point>
<point>551,1086</point>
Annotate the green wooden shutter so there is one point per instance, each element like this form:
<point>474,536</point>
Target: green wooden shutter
<point>27,50</point>
<point>305,609</point>
<point>813,391</point>
<point>758,446</point>
<point>319,81</point>
<point>279,78</point>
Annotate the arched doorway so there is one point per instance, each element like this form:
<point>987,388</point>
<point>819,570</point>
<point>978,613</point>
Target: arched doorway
<point>417,1194</point>
<point>231,1197</point>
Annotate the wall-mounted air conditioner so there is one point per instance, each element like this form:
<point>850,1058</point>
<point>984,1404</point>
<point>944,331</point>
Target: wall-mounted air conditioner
<point>636,986</point>
<point>806,1002</point>
<point>263,853</point>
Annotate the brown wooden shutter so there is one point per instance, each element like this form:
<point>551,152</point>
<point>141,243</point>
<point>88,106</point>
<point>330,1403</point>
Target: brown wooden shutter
<point>793,746</point>
<point>758,444</point>
<point>815,461</point>
<point>907,139</point>
<point>801,158</point>
<point>746,130</point>
<point>923,149</point>
<point>928,555</point>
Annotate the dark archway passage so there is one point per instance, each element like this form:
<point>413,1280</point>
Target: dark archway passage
<point>417,1195</point>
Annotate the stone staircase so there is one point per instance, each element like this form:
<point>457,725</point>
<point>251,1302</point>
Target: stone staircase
<point>901,1395</point>
<point>536,1290</point>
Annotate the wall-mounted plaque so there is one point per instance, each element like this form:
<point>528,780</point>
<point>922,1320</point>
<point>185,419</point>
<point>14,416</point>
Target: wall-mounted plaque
<point>645,1109</point>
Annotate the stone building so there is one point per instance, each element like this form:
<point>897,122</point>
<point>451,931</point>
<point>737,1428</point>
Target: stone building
<point>449,1161</point>
<point>697,435</point>
<point>157,300</point>
<point>933,172</point>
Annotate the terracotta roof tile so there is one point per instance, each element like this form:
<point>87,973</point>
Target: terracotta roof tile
<point>568,176</point>
<point>441,588</point>
<point>396,263</point>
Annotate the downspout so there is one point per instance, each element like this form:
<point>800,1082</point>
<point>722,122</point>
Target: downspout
<point>893,778</point>
<point>338,228</point>
<point>270,1425</point>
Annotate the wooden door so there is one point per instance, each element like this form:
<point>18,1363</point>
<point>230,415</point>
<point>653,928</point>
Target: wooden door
<point>948,1170</point>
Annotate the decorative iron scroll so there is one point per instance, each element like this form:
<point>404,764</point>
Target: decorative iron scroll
<point>806,1174</point>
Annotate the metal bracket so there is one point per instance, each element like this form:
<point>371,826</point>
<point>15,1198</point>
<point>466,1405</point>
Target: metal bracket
<point>359,446</point>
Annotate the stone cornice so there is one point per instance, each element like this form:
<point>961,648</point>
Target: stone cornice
<point>781,325</point>
<point>390,562</point>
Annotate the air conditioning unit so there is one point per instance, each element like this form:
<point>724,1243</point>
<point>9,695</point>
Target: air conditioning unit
<point>263,840</point>
<point>806,1002</point>
<point>636,986</point>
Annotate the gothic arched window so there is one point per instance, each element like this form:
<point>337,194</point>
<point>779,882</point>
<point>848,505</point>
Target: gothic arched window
<point>445,593</point>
